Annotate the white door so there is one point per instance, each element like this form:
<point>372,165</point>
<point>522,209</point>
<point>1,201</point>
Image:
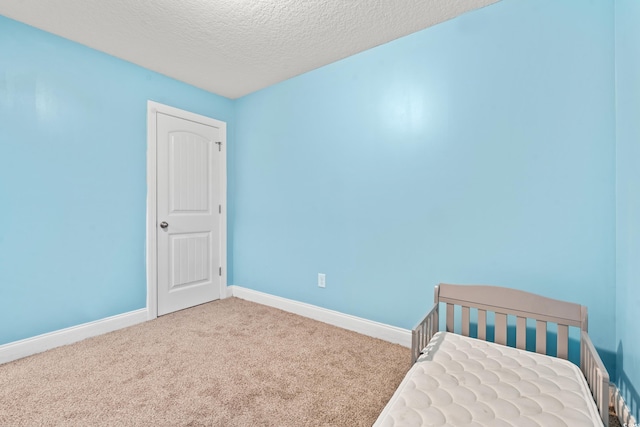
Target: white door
<point>188,213</point>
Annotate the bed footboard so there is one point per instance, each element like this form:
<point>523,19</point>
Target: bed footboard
<point>422,333</point>
<point>596,374</point>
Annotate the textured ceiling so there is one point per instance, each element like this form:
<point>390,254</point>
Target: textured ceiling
<point>233,47</point>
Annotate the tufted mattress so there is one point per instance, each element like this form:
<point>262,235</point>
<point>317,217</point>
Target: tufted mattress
<point>462,381</point>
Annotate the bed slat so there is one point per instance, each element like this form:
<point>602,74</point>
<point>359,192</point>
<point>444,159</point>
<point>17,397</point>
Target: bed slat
<point>427,327</point>
<point>501,328</point>
<point>521,333</point>
<point>541,337</point>
<point>435,324</point>
<point>449,317</point>
<point>563,341</point>
<point>465,321</point>
<point>482,324</point>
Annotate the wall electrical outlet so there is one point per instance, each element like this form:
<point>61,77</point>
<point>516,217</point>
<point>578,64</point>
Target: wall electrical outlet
<point>322,280</point>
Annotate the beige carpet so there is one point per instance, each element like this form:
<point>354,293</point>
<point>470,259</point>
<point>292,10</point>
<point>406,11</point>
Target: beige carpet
<point>226,363</point>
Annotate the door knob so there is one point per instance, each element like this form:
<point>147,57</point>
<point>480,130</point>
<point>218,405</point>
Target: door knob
<point>164,224</point>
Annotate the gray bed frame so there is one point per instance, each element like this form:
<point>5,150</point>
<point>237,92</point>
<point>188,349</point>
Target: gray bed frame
<point>523,305</point>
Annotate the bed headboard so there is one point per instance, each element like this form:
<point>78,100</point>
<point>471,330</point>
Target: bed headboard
<point>523,305</point>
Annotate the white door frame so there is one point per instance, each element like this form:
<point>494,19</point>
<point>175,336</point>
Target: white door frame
<point>153,108</point>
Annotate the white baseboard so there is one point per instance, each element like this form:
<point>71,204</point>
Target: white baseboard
<point>228,292</point>
<point>621,408</point>
<point>357,324</point>
<point>27,347</point>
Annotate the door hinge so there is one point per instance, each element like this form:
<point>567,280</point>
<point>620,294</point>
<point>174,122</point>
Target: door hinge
<point>219,145</point>
<point>220,271</point>
<point>220,209</point>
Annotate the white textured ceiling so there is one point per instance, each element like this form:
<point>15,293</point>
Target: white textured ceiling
<point>233,47</point>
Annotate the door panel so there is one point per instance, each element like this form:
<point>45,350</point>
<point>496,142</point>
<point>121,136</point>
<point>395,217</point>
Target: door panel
<point>191,264</point>
<point>188,199</point>
<point>188,173</point>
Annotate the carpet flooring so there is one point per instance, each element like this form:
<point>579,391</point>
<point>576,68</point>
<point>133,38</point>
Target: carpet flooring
<point>225,363</point>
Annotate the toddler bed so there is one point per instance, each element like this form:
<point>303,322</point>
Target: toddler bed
<point>457,380</point>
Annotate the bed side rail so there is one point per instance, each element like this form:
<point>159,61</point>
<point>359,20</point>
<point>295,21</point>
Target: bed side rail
<point>422,333</point>
<point>596,374</point>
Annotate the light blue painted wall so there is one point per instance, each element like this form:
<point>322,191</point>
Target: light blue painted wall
<point>73,179</point>
<point>628,201</point>
<point>481,150</point>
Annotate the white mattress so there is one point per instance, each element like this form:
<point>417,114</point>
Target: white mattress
<point>461,381</point>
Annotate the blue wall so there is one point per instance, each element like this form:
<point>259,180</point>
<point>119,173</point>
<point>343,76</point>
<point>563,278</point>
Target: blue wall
<point>481,150</point>
<point>73,179</point>
<point>628,201</point>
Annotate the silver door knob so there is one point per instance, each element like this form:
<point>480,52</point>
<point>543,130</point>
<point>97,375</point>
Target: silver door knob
<point>164,224</point>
